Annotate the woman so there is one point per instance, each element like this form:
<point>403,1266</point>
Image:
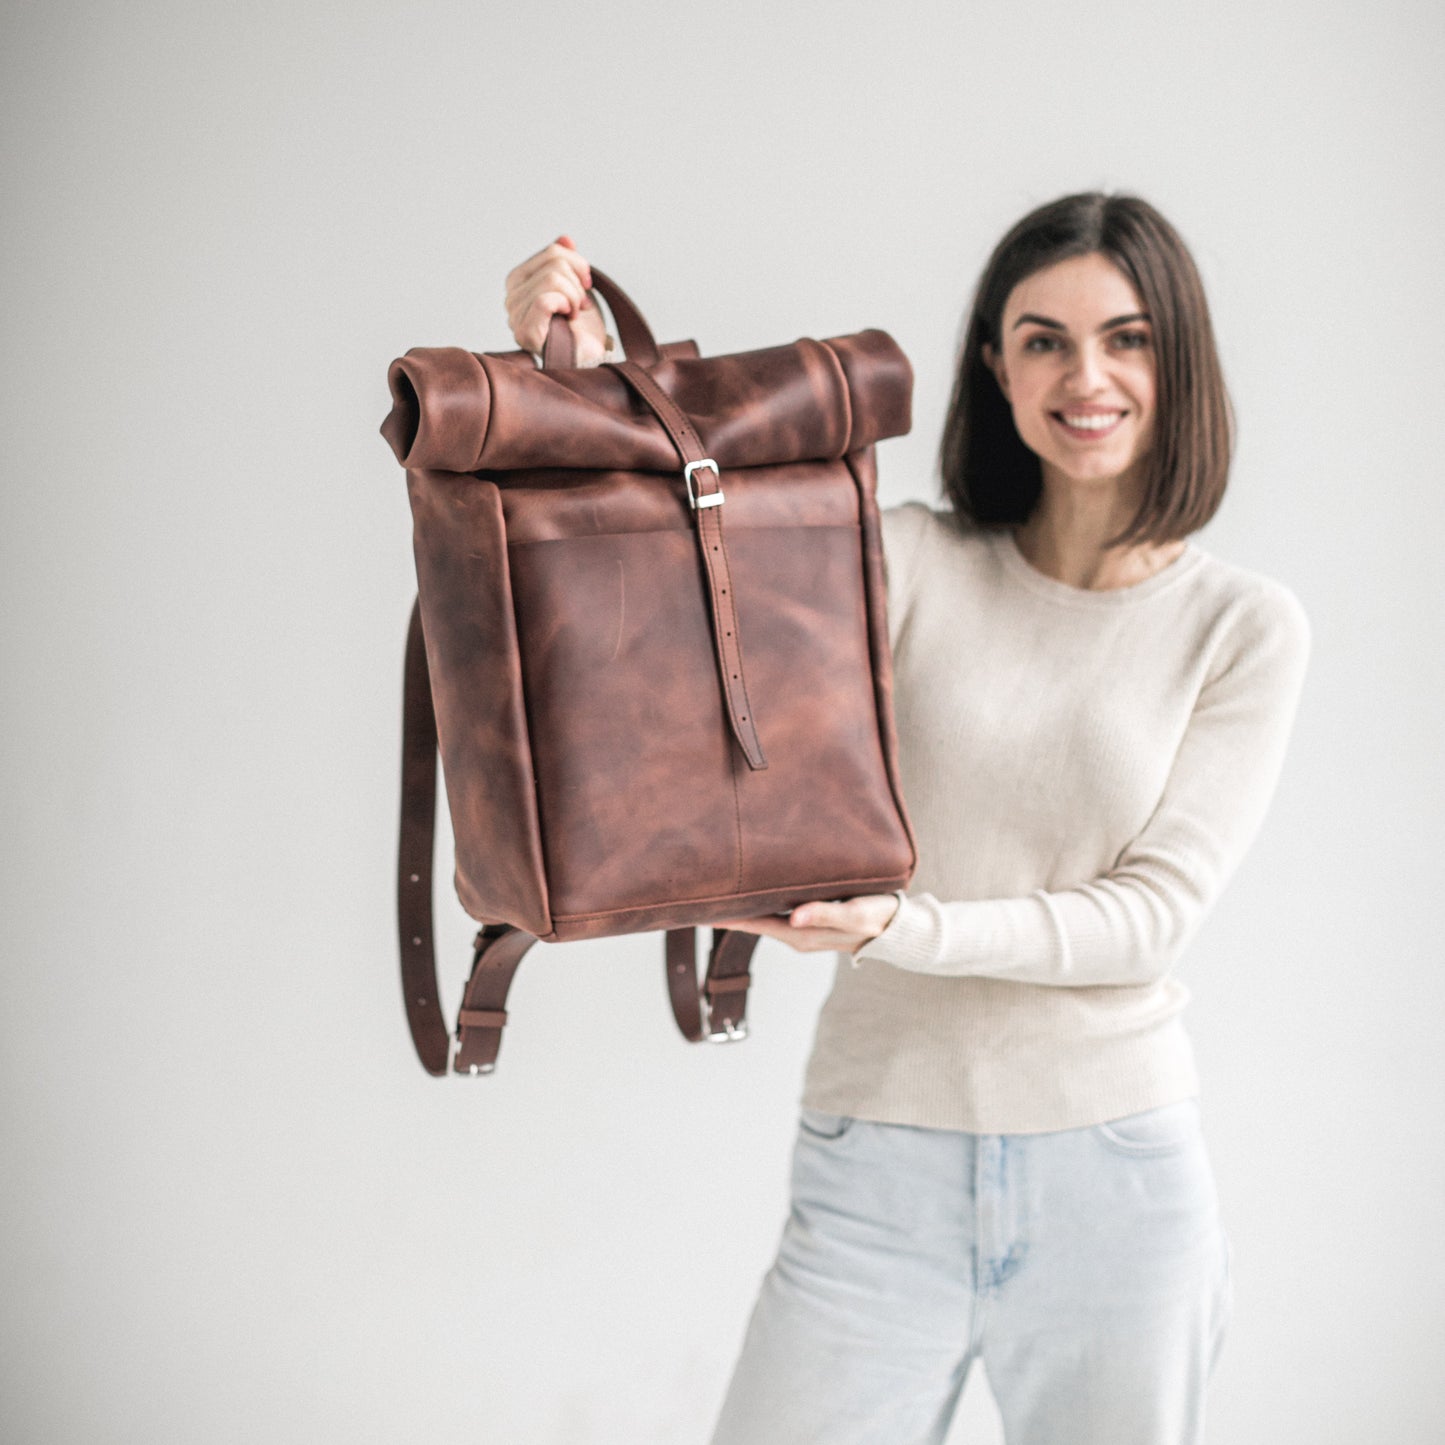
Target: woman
<point>999,1154</point>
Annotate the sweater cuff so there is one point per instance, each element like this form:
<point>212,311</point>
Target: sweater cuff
<point>913,939</point>
<point>612,353</point>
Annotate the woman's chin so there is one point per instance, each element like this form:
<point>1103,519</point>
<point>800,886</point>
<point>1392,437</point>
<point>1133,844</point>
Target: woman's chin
<point>1101,476</point>
<point>1111,468</point>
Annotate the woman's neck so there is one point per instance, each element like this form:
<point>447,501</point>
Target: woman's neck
<point>1065,538</point>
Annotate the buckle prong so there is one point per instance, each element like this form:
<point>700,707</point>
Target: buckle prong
<point>473,1069</point>
<point>708,499</point>
<point>730,1033</point>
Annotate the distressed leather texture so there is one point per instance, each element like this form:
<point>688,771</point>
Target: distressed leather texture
<point>572,623</point>
<point>461,411</point>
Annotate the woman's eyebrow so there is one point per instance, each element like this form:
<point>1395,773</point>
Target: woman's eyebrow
<point>1059,325</point>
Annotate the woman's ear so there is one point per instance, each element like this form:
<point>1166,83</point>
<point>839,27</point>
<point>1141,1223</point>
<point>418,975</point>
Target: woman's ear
<point>994,362</point>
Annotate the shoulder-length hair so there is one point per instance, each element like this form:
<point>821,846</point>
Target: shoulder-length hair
<point>992,477</point>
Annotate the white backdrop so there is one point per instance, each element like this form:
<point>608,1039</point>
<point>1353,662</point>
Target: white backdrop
<point>233,1207</point>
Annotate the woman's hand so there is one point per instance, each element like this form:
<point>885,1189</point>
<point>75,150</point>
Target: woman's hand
<point>826,927</point>
<point>555,282</point>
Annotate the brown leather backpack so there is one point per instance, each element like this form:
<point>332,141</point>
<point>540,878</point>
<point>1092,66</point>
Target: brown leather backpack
<point>650,641</point>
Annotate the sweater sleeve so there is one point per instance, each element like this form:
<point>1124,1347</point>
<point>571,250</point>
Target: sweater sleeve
<point>1129,925</point>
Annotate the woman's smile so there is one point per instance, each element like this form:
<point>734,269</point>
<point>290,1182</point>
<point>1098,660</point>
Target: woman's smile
<point>1089,424</point>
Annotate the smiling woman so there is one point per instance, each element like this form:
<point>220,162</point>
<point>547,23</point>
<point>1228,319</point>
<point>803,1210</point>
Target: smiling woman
<point>1000,1154</point>
<point>1081,389</point>
<point>1087,302</point>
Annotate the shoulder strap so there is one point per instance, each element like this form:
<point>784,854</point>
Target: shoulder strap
<point>414,856</point>
<point>715,1014</point>
<point>499,947</point>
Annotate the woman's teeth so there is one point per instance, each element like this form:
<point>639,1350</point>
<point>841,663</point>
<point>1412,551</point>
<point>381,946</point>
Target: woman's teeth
<point>1094,421</point>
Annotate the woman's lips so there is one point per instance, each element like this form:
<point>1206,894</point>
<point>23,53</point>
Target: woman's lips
<point>1087,426</point>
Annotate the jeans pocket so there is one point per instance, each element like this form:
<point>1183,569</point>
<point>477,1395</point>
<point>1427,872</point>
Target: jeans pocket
<point>816,1124</point>
<point>1165,1130</point>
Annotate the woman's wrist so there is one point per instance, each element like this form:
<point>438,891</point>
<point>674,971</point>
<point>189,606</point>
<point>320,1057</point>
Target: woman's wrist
<point>610,352</point>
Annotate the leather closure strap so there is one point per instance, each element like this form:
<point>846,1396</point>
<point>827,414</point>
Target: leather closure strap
<point>705,493</point>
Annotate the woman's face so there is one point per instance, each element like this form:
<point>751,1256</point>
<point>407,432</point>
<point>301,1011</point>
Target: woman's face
<point>1076,363</point>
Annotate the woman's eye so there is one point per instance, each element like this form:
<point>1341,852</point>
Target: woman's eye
<point>1041,342</point>
<point>1131,340</point>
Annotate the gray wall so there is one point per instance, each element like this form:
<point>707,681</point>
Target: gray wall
<point>232,1206</point>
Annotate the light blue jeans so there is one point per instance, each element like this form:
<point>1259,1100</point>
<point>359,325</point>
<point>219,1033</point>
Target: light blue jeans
<point>1087,1269</point>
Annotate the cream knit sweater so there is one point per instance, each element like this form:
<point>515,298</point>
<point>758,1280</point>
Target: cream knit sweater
<point>1084,770</point>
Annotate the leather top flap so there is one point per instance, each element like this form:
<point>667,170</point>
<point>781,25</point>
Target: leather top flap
<point>462,411</point>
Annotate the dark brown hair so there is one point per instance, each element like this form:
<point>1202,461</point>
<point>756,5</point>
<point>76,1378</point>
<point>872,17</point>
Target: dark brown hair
<point>992,477</point>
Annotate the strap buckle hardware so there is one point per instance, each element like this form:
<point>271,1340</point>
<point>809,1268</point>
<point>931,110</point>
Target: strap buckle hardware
<point>708,499</point>
<point>473,1069</point>
<point>730,1033</point>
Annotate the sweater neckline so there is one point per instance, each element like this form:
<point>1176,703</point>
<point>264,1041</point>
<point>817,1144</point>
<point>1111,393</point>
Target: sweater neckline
<point>1005,545</point>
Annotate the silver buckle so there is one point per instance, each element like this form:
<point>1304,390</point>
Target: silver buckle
<point>709,499</point>
<point>473,1069</point>
<point>729,1033</point>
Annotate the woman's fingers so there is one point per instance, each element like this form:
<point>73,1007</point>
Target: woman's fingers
<point>534,315</point>
<point>805,940</point>
<point>868,914</point>
<point>554,282</point>
<point>555,256</point>
<point>554,267</point>
<point>825,926</point>
<point>549,278</point>
<point>769,924</point>
<point>534,304</point>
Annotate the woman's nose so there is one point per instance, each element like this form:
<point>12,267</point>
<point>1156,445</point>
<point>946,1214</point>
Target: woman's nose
<point>1086,374</point>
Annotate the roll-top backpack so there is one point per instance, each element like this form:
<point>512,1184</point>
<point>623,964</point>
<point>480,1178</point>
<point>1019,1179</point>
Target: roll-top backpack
<point>650,643</point>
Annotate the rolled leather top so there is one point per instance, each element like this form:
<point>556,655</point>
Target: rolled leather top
<point>462,411</point>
